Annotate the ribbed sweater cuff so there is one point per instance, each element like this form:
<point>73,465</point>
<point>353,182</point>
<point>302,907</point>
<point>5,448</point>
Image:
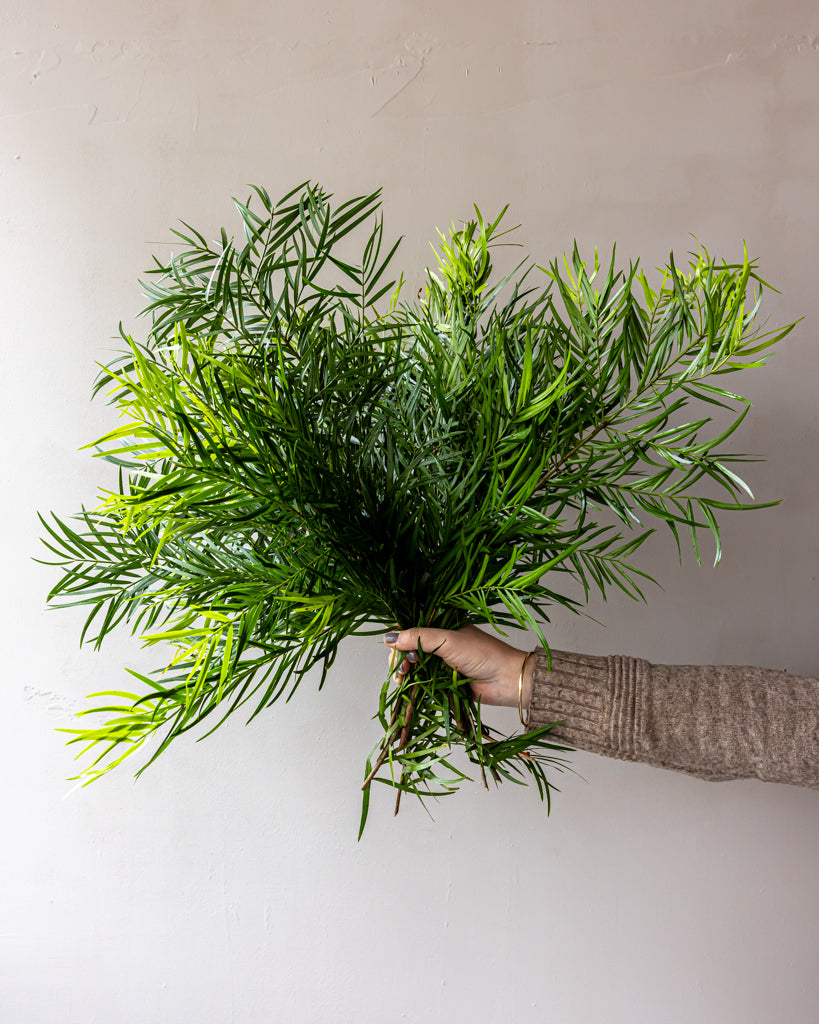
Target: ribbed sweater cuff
<point>597,701</point>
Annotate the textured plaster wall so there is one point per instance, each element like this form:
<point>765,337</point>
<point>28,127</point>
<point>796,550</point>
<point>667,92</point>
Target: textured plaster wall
<point>226,885</point>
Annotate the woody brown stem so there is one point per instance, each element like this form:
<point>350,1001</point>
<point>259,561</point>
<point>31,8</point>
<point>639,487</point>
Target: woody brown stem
<point>405,732</point>
<point>402,737</point>
<point>382,758</point>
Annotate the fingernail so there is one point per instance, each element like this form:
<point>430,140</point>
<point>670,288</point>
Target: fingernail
<point>390,638</point>
<point>411,656</point>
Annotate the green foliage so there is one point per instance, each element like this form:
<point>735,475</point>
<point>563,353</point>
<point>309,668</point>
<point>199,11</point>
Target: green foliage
<point>304,457</point>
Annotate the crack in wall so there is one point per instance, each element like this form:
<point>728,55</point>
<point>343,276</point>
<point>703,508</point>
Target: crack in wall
<point>391,99</point>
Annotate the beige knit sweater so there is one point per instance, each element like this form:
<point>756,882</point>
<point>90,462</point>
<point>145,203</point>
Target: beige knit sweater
<point>716,722</point>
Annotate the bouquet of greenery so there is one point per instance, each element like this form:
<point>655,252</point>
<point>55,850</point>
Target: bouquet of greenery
<point>303,457</point>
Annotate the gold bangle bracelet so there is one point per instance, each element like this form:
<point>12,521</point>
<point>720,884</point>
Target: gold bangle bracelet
<point>520,688</point>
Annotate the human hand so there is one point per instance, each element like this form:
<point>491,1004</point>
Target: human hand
<point>491,666</point>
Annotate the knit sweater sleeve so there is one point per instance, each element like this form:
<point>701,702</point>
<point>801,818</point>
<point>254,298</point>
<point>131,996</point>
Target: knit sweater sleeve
<point>715,722</point>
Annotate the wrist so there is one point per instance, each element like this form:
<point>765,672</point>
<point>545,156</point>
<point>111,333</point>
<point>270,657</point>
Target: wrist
<point>524,678</point>
<point>519,674</point>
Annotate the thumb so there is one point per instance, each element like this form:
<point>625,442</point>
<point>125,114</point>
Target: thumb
<point>427,638</point>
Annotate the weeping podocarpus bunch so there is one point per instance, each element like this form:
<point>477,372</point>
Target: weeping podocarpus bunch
<point>303,456</point>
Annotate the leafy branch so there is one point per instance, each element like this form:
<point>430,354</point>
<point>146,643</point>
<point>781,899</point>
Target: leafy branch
<point>304,456</point>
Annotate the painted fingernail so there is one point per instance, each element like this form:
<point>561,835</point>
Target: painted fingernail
<point>412,656</point>
<point>390,638</point>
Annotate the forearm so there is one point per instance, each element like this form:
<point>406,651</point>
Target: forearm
<point>711,721</point>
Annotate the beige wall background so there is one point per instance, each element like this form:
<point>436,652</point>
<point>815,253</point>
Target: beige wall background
<point>227,885</point>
